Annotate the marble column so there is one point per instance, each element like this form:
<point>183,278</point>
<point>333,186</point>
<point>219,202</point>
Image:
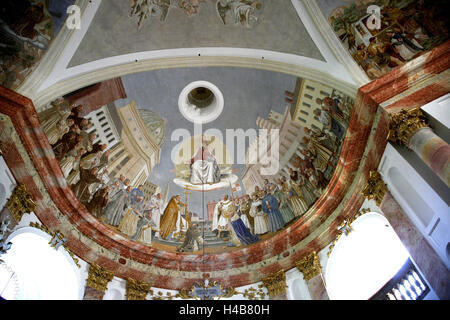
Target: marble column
<point>97,282</point>
<point>311,269</point>
<point>409,127</point>
<point>276,285</point>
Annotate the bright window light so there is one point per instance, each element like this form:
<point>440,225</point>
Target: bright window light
<point>362,262</point>
<point>42,272</point>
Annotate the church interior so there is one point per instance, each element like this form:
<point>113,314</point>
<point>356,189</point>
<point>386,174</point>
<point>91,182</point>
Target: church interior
<point>224,150</point>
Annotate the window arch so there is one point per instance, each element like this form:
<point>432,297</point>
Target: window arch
<point>362,262</point>
<point>42,272</point>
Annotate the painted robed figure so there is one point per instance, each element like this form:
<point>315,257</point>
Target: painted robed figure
<point>175,219</point>
<point>204,167</point>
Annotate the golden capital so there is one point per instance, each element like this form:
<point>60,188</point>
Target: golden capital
<point>137,290</point>
<point>404,124</point>
<point>309,266</point>
<point>375,187</point>
<point>99,277</point>
<point>20,202</point>
<point>275,284</point>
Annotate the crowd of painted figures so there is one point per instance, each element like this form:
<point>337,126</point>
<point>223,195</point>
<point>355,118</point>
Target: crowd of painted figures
<point>84,165</point>
<point>244,219</point>
<point>407,29</point>
<point>83,162</point>
<point>113,201</point>
<point>281,200</point>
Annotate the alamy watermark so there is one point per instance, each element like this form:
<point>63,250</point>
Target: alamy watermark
<point>263,149</point>
<point>374,20</point>
<point>73,20</point>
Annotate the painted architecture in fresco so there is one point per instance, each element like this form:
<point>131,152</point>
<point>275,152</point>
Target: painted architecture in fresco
<point>112,181</point>
<point>381,35</point>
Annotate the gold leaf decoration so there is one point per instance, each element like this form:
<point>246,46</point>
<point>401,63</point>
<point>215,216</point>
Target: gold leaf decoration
<point>99,277</point>
<point>137,290</point>
<point>309,266</point>
<point>275,284</point>
<point>375,188</point>
<point>404,124</point>
<point>20,202</point>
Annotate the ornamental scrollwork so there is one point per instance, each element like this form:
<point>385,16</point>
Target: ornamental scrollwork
<point>99,277</point>
<point>375,188</point>
<point>136,290</point>
<point>309,266</point>
<point>404,124</point>
<point>209,290</point>
<point>275,284</point>
<point>20,202</point>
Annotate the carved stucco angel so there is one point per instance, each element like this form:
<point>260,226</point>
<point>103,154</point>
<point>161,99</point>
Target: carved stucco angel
<point>242,11</point>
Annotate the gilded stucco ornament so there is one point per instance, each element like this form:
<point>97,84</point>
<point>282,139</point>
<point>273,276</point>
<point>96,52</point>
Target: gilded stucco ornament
<point>56,241</point>
<point>206,291</point>
<point>309,266</point>
<point>210,290</point>
<point>404,124</point>
<point>99,277</point>
<point>375,187</point>
<point>137,290</point>
<point>348,223</point>
<point>275,284</point>
<point>20,202</point>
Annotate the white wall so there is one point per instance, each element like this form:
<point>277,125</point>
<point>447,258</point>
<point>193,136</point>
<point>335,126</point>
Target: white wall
<point>420,202</point>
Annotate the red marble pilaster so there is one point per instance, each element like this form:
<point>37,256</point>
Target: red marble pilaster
<point>426,259</point>
<point>92,294</point>
<point>316,288</point>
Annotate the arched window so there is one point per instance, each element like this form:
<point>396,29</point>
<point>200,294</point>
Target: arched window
<point>41,272</point>
<point>362,262</point>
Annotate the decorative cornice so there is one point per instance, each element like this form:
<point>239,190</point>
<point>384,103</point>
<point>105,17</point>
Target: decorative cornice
<point>137,290</point>
<point>404,124</point>
<point>275,284</point>
<point>20,202</point>
<point>375,187</point>
<point>309,266</point>
<point>99,277</point>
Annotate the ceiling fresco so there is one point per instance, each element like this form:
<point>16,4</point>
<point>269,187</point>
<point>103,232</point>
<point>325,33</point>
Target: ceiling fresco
<point>118,29</point>
<point>27,29</point>
<point>384,34</point>
<point>179,186</point>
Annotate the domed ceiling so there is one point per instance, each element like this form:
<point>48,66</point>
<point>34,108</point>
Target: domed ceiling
<point>277,162</point>
<point>113,32</point>
<point>226,201</point>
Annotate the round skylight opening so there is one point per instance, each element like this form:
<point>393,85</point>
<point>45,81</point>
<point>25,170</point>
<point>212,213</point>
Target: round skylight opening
<point>201,102</point>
